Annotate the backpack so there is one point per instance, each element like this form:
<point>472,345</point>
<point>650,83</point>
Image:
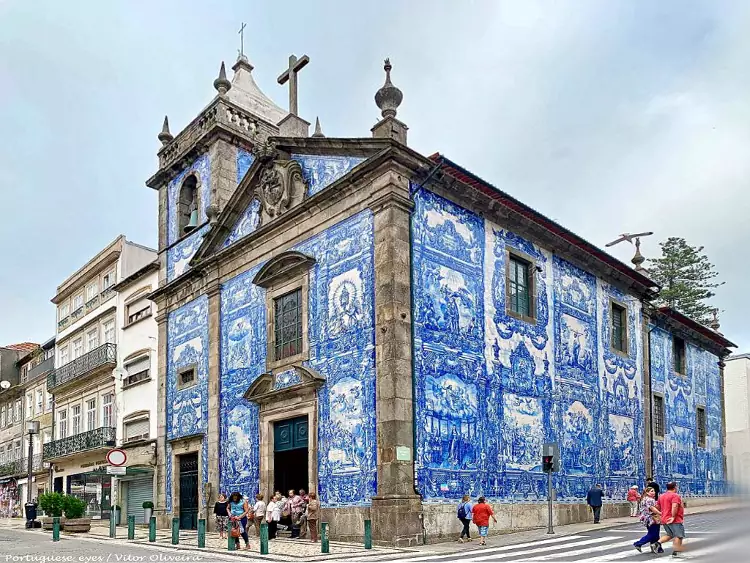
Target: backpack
<point>461,511</point>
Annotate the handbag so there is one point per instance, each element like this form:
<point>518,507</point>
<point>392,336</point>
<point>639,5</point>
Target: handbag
<point>235,533</point>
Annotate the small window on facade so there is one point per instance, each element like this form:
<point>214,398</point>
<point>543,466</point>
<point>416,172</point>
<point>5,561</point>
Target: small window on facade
<point>76,419</point>
<point>138,310</point>
<point>700,426</point>
<point>77,348</point>
<point>619,328</point>
<point>108,280</point>
<point>658,416</point>
<point>137,371</point>
<point>186,377</point>
<point>136,430</point>
<point>17,413</point>
<point>108,419</point>
<point>62,424</point>
<point>519,286</point>
<point>39,401</point>
<point>29,405</point>
<point>77,302</point>
<point>91,414</point>
<point>678,353</point>
<point>64,311</point>
<point>108,327</point>
<point>91,291</point>
<point>288,324</point>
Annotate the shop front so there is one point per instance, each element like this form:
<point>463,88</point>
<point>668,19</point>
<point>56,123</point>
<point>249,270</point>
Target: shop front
<point>95,489</point>
<point>9,499</point>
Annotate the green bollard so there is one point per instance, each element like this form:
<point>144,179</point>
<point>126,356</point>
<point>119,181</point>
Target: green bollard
<point>175,531</point>
<point>201,533</point>
<point>131,527</point>
<point>112,528</point>
<point>324,547</point>
<point>152,529</point>
<point>368,534</point>
<point>56,528</point>
<point>231,543</point>
<point>263,538</point>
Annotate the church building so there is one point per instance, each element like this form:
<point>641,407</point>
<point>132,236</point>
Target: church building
<point>348,316</point>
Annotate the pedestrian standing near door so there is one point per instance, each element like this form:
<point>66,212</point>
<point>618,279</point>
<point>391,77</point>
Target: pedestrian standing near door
<point>238,510</point>
<point>463,513</point>
<point>595,499</point>
<point>259,512</point>
<point>633,498</point>
<point>650,517</point>
<point>672,519</point>
<point>313,515</point>
<point>481,513</point>
<point>220,515</point>
<point>272,509</point>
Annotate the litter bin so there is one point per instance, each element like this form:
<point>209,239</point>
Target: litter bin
<point>30,508</point>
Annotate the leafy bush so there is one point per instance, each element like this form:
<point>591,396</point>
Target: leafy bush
<point>148,504</point>
<point>52,504</point>
<point>74,507</point>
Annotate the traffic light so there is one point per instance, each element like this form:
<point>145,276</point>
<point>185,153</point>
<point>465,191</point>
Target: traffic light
<point>547,463</point>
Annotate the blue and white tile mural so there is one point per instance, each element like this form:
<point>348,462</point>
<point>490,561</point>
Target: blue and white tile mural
<point>699,470</point>
<point>321,171</point>
<point>179,256</point>
<point>187,408</point>
<point>341,341</point>
<point>245,160</point>
<point>491,389</point>
<point>202,169</point>
<point>246,224</point>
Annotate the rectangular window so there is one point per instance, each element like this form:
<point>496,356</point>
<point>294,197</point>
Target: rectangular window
<point>47,437</point>
<point>619,328</point>
<point>288,324</point>
<point>700,426</point>
<point>39,401</point>
<point>29,405</point>
<point>17,412</point>
<point>77,348</point>
<point>136,430</point>
<point>137,371</point>
<point>64,359</point>
<point>186,377</point>
<point>91,414</point>
<point>108,420</point>
<point>138,310</point>
<point>49,400</point>
<point>678,353</point>
<point>91,291</point>
<point>77,302</point>
<point>2,416</point>
<point>519,287</point>
<point>658,416</point>
<point>108,280</point>
<point>108,327</point>
<point>62,424</point>
<point>63,311</point>
<point>75,415</point>
<point>17,448</point>
<point>92,339</point>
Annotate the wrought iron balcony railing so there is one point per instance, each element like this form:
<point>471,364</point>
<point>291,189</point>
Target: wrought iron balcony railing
<point>103,437</point>
<point>39,369</point>
<point>21,466</point>
<point>101,357</point>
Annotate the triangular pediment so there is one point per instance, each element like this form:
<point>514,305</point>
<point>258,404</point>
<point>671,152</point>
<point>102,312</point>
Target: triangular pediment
<point>276,385</point>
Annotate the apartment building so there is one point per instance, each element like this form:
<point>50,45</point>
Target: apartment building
<point>83,382</point>
<point>12,426</point>
<point>737,401</point>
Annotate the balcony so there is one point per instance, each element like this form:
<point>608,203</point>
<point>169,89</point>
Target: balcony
<point>42,368</point>
<point>101,438</point>
<point>21,466</point>
<point>99,359</point>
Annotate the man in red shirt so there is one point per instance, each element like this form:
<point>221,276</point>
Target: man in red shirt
<point>672,520</point>
<point>481,514</point>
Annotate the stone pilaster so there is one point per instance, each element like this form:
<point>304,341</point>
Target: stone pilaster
<point>396,509</point>
<point>722,365</point>
<point>214,384</point>
<point>163,229</point>
<point>223,158</point>
<point>161,423</point>
<point>646,370</point>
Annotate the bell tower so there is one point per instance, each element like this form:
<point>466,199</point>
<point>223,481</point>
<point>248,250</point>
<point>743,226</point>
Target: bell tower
<point>201,166</point>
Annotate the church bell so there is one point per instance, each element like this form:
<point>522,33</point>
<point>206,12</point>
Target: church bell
<point>192,223</point>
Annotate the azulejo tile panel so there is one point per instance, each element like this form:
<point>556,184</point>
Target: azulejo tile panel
<point>245,160</point>
<point>201,167</point>
<point>179,256</point>
<point>187,346</point>
<point>286,378</point>
<point>246,224</point>
<point>321,171</point>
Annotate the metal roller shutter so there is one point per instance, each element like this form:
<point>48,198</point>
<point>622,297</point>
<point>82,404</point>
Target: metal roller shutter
<point>139,491</point>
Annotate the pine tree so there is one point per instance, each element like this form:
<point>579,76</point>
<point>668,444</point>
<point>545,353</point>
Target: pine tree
<point>686,278</point>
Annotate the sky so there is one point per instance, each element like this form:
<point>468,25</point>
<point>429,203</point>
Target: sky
<point>609,117</point>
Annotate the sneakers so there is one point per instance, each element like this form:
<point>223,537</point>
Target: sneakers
<point>460,540</point>
<point>638,548</point>
<point>676,554</point>
<point>656,548</point>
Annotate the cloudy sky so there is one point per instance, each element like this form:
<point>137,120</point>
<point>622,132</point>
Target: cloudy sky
<point>607,116</point>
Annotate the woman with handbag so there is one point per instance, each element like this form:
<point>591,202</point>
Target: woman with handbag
<point>651,518</point>
<point>237,510</point>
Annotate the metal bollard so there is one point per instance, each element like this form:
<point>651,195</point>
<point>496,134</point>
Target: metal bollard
<point>131,527</point>
<point>201,533</point>
<point>263,538</point>
<point>175,531</point>
<point>324,547</point>
<point>112,527</point>
<point>152,529</point>
<point>231,544</point>
<point>368,534</point>
<point>56,528</point>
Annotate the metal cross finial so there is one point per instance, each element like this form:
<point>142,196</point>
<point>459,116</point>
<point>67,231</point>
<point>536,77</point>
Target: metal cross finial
<point>242,40</point>
<point>290,75</point>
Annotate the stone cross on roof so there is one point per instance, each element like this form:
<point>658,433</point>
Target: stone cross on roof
<point>290,75</point>
<point>241,33</point>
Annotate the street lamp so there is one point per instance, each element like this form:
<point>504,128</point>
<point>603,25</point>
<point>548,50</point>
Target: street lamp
<point>32,428</point>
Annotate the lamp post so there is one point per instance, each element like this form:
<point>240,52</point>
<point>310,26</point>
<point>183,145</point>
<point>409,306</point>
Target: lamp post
<point>32,428</point>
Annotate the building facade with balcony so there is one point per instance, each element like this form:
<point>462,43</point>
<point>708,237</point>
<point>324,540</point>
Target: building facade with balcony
<point>12,426</point>
<point>83,381</point>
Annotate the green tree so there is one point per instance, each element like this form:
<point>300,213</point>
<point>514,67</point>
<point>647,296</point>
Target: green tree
<point>686,277</point>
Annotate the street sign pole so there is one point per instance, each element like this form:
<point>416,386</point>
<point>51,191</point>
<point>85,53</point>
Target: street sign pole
<point>550,530</point>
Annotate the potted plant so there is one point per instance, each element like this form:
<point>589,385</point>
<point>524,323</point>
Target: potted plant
<point>75,510</point>
<point>52,504</point>
<point>117,514</point>
<point>148,510</point>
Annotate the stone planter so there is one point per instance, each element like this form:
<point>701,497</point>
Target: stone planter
<point>77,525</point>
<point>47,522</point>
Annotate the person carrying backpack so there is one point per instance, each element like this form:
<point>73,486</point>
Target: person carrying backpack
<point>464,515</point>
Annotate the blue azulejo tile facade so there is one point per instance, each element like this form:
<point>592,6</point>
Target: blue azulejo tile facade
<point>341,343</point>
<point>179,256</point>
<point>321,171</point>
<point>201,167</point>
<point>490,388</point>
<point>678,454</point>
<point>187,407</point>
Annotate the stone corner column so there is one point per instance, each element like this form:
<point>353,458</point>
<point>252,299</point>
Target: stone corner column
<point>722,365</point>
<point>646,368</point>
<point>163,517</point>
<point>397,508</point>
<point>214,423</point>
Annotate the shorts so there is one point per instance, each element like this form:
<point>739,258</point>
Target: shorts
<point>483,530</point>
<point>674,530</point>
